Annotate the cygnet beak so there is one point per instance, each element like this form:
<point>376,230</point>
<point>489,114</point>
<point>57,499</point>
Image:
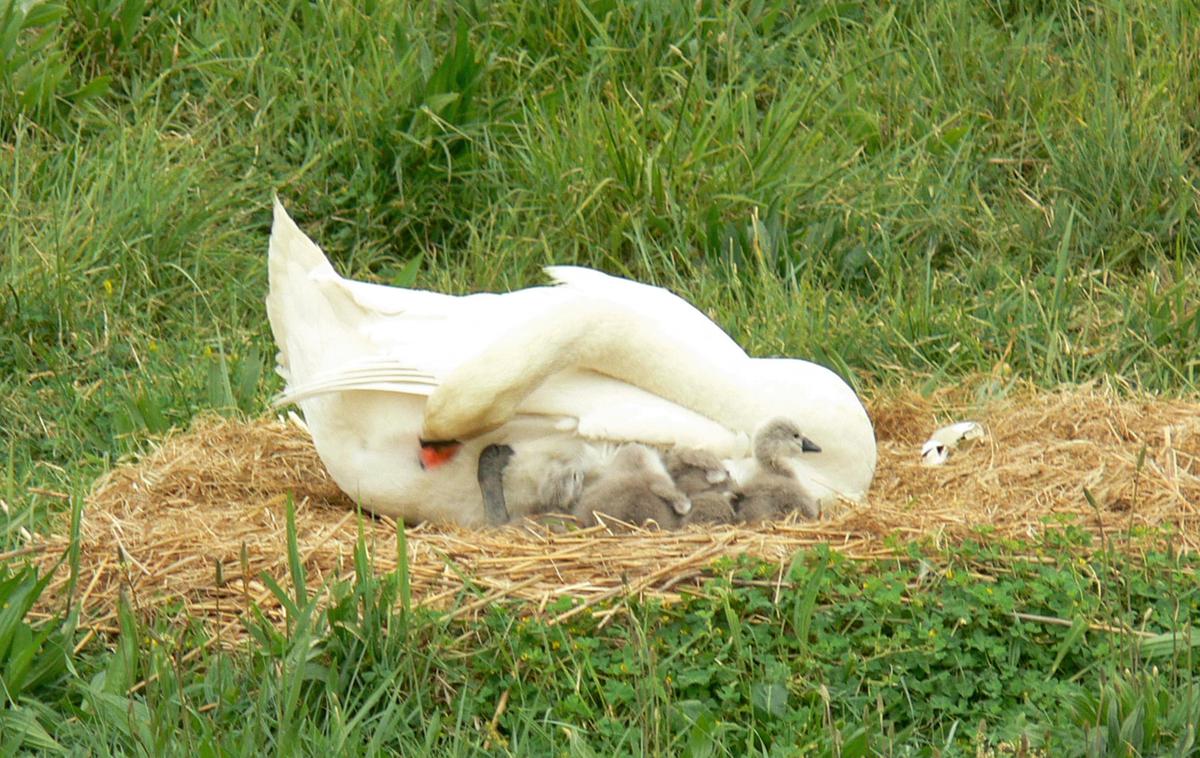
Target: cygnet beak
<point>808,446</point>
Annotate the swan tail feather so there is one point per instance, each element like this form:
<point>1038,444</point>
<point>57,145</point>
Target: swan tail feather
<point>292,296</point>
<point>315,317</point>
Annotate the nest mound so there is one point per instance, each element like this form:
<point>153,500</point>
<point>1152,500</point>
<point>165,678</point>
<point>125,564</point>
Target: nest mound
<point>217,494</point>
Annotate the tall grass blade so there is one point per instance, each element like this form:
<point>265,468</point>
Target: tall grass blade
<point>295,562</point>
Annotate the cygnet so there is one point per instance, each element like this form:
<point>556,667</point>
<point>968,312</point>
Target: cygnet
<point>702,477</point>
<point>635,487</point>
<point>773,491</point>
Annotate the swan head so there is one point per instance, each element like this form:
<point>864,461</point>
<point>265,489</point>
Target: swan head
<point>799,397</point>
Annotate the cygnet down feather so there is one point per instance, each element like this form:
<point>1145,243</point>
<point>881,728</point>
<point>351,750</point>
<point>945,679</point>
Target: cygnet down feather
<point>770,497</point>
<point>634,488</point>
<point>702,477</point>
<point>774,491</point>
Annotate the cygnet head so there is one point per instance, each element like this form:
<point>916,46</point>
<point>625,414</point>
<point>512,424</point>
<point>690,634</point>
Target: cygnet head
<point>779,440</point>
<point>696,471</point>
<point>829,413</point>
<point>634,459</point>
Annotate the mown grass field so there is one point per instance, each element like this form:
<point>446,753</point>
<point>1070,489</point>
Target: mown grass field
<point>914,194</point>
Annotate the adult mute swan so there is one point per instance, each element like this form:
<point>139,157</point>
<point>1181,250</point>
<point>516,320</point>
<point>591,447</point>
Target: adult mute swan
<point>403,389</point>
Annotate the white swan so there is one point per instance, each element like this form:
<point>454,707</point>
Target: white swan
<point>596,358</point>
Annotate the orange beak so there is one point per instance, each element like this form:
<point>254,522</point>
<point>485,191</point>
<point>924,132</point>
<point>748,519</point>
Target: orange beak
<point>438,453</point>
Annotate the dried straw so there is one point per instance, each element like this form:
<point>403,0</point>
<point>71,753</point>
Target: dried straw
<point>217,494</point>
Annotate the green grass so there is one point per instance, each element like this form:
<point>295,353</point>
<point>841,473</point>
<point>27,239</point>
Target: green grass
<point>915,194</point>
<point>941,653</point>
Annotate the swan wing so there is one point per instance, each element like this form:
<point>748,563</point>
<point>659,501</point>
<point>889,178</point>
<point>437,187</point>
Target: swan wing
<point>328,327</point>
<point>578,350</point>
<point>688,326</point>
<point>477,357</point>
<point>610,410</point>
<point>369,374</point>
<point>594,406</point>
<point>642,335</point>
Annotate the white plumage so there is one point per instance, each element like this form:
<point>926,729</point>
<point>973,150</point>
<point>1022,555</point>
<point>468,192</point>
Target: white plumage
<point>943,441</point>
<point>546,369</point>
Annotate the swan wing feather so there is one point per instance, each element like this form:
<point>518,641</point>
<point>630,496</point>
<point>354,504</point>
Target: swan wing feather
<point>611,410</point>
<point>688,325</point>
<point>388,376</point>
<point>599,408</point>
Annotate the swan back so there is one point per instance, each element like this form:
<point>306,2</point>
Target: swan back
<point>687,326</point>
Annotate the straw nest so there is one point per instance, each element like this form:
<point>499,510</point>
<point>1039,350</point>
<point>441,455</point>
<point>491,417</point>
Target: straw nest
<point>217,495</point>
